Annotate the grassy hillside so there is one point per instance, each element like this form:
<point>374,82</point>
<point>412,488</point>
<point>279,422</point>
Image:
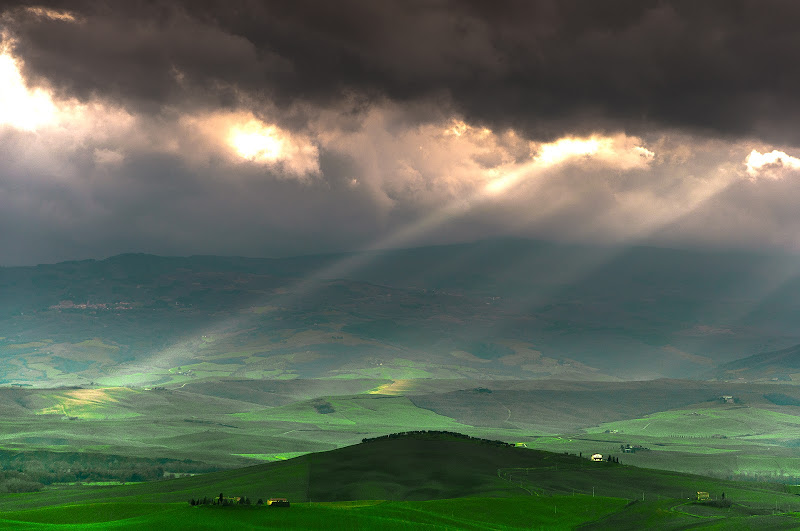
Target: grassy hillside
<point>779,365</point>
<point>552,512</point>
<point>418,480</point>
<point>232,423</point>
<point>414,467</point>
<point>707,422</point>
<point>466,513</point>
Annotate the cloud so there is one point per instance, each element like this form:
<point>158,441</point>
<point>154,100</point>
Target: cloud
<point>108,157</point>
<point>597,152</point>
<point>260,129</point>
<point>619,151</point>
<point>235,135</point>
<point>772,165</point>
<point>241,138</point>
<point>99,180</point>
<point>20,106</point>
<point>52,14</point>
<point>544,69</point>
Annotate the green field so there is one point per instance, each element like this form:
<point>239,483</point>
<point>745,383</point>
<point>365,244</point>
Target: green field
<point>231,423</point>
<point>554,512</point>
<point>467,513</point>
<point>418,480</point>
<point>365,413</point>
<point>729,421</point>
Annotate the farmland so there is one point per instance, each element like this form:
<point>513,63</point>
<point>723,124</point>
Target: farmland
<point>233,423</point>
<point>432,480</point>
<point>244,366</point>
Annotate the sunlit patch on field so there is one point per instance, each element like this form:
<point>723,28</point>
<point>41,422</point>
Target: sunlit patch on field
<point>395,387</point>
<point>283,456</point>
<point>88,403</point>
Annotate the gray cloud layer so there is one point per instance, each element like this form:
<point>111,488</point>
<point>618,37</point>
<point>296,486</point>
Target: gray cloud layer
<point>365,94</point>
<point>545,67</point>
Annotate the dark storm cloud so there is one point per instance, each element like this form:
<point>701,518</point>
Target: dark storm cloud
<point>357,106</point>
<point>722,67</point>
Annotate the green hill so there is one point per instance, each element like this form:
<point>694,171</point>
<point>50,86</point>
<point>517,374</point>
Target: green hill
<point>410,466</point>
<point>413,467</point>
<point>436,480</point>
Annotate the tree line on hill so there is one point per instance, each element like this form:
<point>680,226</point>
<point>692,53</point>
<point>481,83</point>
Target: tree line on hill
<point>230,501</point>
<point>436,434</point>
<point>30,471</point>
<point>223,501</point>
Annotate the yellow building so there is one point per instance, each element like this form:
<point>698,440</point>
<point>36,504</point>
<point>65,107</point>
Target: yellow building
<point>278,502</point>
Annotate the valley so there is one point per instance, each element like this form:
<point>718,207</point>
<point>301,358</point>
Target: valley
<point>129,383</point>
<point>685,425</point>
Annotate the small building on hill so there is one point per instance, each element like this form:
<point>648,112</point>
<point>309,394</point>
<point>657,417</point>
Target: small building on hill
<point>631,449</point>
<point>703,496</point>
<point>277,502</point>
<point>597,457</point>
<point>727,399</point>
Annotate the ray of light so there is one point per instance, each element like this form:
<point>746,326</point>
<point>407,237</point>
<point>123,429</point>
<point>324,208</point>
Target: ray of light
<point>636,232</point>
<point>530,173</point>
<point>771,280</point>
<point>305,286</point>
<point>775,273</point>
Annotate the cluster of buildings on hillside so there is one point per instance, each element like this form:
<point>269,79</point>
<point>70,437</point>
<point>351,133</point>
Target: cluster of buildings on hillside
<point>69,305</point>
<point>631,449</point>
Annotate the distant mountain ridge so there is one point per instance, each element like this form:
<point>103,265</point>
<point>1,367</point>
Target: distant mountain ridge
<point>489,309</point>
<point>775,365</point>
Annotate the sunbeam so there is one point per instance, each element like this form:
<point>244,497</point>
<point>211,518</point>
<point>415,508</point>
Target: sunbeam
<point>528,174</point>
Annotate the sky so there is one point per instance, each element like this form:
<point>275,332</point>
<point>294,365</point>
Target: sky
<point>296,127</point>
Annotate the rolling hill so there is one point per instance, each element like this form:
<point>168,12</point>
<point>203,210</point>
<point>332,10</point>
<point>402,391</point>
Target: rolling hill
<point>231,423</point>
<point>419,480</point>
<point>778,365</point>
<point>491,310</point>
